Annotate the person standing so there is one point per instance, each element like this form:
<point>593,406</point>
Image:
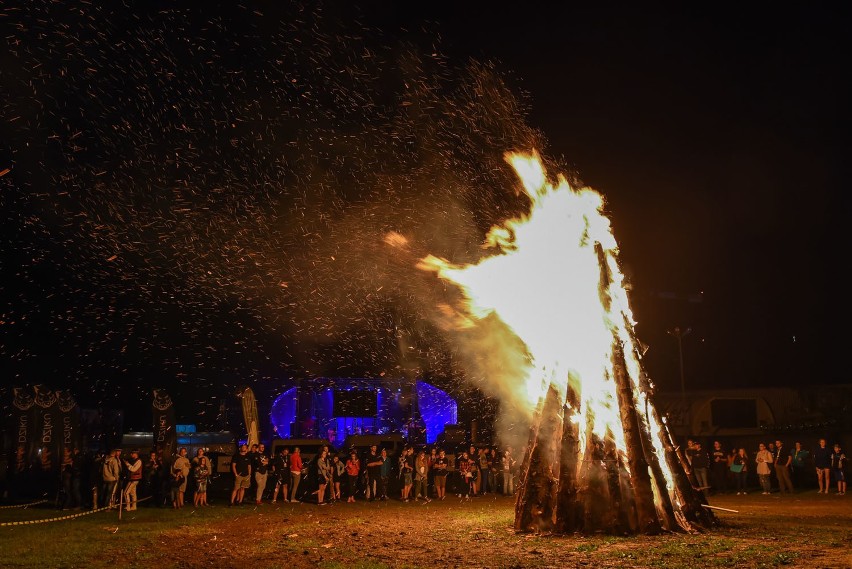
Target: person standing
<point>110,472</point>
<point>295,472</point>
<point>473,457</point>
<point>700,462</point>
<point>180,474</point>
<point>406,472</point>
<point>439,467</point>
<point>75,497</point>
<point>739,467</point>
<point>338,472</point>
<point>797,464</point>
<point>508,463</point>
<point>772,475</point>
<point>720,468</point>
<point>373,462</point>
<point>323,476</point>
<point>838,468</point>
<point>353,468</point>
<point>421,476</point>
<point>281,473</point>
<point>260,467</point>
<point>384,474</point>
<point>430,477</point>
<point>152,479</point>
<point>782,468</point>
<point>484,471</point>
<point>464,468</point>
<point>241,469</point>
<point>201,468</point>
<point>763,460</point>
<point>822,463</point>
<point>134,475</point>
<point>493,469</point>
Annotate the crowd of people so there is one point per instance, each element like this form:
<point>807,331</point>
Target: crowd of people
<point>719,470</point>
<point>422,474</point>
<point>126,478</point>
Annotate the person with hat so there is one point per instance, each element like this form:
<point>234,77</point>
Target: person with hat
<point>134,475</point>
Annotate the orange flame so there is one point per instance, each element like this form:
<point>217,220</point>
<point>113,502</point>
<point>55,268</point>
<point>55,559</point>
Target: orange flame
<point>544,282</point>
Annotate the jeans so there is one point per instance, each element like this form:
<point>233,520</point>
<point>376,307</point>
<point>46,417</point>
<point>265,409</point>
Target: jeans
<point>485,481</point>
<point>508,483</point>
<point>701,477</point>
<point>109,493</point>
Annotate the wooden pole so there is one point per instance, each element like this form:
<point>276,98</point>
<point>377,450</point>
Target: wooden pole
<point>568,511</point>
<point>535,509</point>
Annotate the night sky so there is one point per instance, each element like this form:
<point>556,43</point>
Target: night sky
<point>196,196</point>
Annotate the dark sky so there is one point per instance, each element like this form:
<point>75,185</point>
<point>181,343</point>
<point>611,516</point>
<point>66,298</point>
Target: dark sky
<point>197,195</point>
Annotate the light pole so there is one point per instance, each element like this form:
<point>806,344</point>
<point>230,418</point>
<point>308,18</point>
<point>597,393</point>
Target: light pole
<point>679,333</point>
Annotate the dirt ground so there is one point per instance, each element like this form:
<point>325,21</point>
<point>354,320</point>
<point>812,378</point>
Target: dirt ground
<point>806,530</point>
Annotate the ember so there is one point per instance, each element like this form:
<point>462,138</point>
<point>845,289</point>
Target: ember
<point>599,457</point>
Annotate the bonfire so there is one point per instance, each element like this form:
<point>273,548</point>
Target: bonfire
<point>600,458</point>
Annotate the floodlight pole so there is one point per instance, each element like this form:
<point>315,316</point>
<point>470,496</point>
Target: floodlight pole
<point>679,333</point>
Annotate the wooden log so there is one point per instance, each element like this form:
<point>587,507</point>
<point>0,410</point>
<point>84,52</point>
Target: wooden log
<point>569,511</point>
<point>640,477</point>
<point>535,509</point>
<point>593,490</point>
<point>691,512</point>
<point>622,517</point>
<point>663,494</point>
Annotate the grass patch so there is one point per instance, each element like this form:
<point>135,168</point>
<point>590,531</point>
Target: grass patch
<point>397,535</point>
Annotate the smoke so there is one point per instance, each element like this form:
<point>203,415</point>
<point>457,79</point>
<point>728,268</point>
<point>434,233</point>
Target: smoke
<point>203,195</point>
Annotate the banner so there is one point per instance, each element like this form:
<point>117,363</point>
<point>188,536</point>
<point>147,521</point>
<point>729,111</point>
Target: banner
<point>23,431</point>
<point>69,425</point>
<point>165,434</point>
<point>47,429</point>
<point>250,416</point>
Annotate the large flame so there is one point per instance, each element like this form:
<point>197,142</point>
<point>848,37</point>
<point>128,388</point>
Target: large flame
<point>544,282</point>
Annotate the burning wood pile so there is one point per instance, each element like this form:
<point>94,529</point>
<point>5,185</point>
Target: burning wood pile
<point>599,457</point>
<point>573,480</point>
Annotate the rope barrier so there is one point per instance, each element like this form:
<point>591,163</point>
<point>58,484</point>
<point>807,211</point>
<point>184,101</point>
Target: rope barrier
<point>22,505</point>
<point>68,517</point>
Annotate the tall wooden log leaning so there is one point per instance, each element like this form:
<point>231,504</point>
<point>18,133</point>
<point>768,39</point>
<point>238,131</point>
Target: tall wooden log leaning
<point>535,509</point>
<point>668,518</point>
<point>569,515</point>
<point>691,499</point>
<point>640,478</point>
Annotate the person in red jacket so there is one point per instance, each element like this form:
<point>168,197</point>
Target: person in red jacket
<point>353,468</point>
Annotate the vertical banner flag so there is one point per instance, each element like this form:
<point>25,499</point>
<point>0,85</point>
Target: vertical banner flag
<point>47,428</point>
<point>69,425</point>
<point>23,431</point>
<point>165,434</point>
<point>250,416</point>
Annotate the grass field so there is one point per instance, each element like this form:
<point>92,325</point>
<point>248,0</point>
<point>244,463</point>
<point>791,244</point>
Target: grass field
<point>803,530</point>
